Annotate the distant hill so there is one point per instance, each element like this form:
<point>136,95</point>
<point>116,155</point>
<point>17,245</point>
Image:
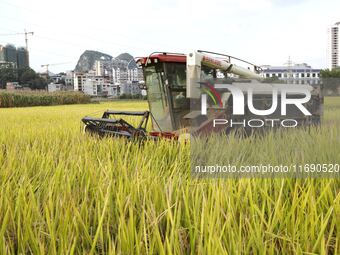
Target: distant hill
<point>87,60</point>
<point>128,59</point>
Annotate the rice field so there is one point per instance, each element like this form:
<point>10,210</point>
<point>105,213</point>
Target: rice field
<point>65,193</point>
<point>39,98</point>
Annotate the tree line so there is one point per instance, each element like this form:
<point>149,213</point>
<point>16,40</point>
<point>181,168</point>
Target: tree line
<point>24,76</point>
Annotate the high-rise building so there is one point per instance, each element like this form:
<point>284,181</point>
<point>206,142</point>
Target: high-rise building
<point>11,53</point>
<point>334,57</point>
<point>16,57</point>
<point>2,53</point>
<point>22,57</point>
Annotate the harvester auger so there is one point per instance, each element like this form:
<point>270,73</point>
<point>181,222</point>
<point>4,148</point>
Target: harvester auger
<point>174,87</point>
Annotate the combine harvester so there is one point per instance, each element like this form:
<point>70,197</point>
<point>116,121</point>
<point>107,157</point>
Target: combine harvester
<point>174,85</point>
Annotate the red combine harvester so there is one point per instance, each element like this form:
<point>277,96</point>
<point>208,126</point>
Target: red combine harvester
<point>173,85</point>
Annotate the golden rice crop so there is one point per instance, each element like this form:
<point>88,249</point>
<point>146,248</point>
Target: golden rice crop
<point>65,193</point>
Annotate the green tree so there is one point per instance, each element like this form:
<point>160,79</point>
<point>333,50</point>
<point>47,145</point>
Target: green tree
<point>331,81</point>
<point>334,73</point>
<point>7,74</point>
<point>28,76</point>
<point>38,83</point>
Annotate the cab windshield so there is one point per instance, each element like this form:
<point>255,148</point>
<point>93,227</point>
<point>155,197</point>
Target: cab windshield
<point>158,103</point>
<point>166,88</point>
<point>175,74</point>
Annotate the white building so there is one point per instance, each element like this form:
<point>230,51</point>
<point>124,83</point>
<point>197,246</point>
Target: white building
<point>110,89</point>
<point>94,85</point>
<point>119,75</point>
<point>135,75</point>
<point>109,78</point>
<point>88,83</point>
<point>297,74</point>
<point>333,42</point>
<point>99,68</point>
<point>123,75</point>
<point>130,88</point>
<point>103,68</point>
<point>69,78</point>
<point>53,87</point>
<point>79,81</point>
<point>90,87</point>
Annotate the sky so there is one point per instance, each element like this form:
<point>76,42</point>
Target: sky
<point>260,31</point>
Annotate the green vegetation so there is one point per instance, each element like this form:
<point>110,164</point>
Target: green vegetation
<point>25,76</point>
<point>130,96</point>
<point>331,81</point>
<point>21,99</point>
<point>334,73</point>
<point>66,193</point>
<point>7,74</point>
<point>28,77</point>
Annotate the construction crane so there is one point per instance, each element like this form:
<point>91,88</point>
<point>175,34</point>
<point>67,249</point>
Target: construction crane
<point>55,64</point>
<point>24,33</point>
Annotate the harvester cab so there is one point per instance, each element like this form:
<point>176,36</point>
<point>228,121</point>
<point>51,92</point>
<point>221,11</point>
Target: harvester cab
<point>165,80</point>
<point>174,86</point>
<point>174,89</point>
